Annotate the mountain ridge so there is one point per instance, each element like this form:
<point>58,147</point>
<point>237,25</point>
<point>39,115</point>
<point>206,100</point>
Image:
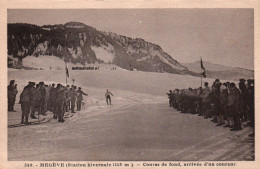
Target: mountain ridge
<point>74,42</point>
<point>220,71</point>
<point>79,43</point>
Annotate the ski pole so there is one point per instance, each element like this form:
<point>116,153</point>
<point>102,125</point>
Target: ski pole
<point>39,112</point>
<point>100,99</point>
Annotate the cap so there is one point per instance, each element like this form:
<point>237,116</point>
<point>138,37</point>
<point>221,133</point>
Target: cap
<point>242,80</point>
<point>12,81</point>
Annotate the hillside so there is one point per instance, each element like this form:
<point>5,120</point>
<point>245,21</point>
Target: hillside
<point>78,43</point>
<point>220,71</point>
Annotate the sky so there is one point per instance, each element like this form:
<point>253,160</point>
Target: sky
<point>222,36</point>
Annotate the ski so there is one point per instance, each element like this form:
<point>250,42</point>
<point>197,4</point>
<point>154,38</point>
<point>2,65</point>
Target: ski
<point>68,116</point>
<point>30,123</point>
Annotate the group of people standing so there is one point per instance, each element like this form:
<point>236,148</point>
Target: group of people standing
<point>227,104</point>
<point>42,98</point>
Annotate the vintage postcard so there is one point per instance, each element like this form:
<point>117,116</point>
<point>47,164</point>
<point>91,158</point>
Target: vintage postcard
<point>136,84</point>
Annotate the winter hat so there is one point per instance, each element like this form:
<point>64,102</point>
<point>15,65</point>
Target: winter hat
<point>242,80</point>
<point>222,87</point>
<point>12,82</point>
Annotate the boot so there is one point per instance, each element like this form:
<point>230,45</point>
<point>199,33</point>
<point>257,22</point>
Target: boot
<point>33,117</point>
<point>236,128</point>
<point>237,124</point>
<point>227,125</point>
<point>72,110</point>
<point>215,120</point>
<point>54,116</point>
<point>220,124</point>
<point>252,134</point>
<point>26,123</point>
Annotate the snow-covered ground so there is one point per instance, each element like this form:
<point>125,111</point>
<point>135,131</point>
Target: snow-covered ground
<point>136,81</point>
<point>138,126</point>
<point>102,54</point>
<point>46,62</point>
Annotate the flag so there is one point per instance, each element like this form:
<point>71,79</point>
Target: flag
<point>201,64</point>
<point>67,70</point>
<point>203,74</point>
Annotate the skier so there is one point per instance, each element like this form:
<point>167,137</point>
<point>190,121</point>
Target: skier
<point>108,97</point>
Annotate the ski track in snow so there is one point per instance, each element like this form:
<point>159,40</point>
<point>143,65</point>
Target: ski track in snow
<point>138,126</point>
<point>92,112</point>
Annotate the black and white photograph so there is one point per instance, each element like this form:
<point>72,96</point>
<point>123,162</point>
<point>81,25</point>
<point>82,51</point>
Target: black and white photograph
<point>130,84</point>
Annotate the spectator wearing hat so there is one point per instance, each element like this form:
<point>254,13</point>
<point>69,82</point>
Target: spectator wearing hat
<point>67,102</point>
<point>243,100</point>
<point>177,98</point>
<point>215,103</point>
<point>53,96</point>
<point>11,95</point>
<point>223,104</point>
<point>80,94</point>
<point>170,96</point>
<point>47,97</point>
<point>43,98</point>
<point>26,100</point>
<point>251,102</point>
<point>72,94</point>
<point>205,100</point>
<point>60,103</point>
<point>36,101</point>
<point>233,106</point>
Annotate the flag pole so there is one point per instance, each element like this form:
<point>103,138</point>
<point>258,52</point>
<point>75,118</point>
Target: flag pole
<point>66,72</point>
<point>200,77</point>
<point>66,65</point>
<point>201,80</point>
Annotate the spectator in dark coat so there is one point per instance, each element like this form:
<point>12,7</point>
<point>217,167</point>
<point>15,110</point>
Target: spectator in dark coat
<point>80,94</point>
<point>11,95</point>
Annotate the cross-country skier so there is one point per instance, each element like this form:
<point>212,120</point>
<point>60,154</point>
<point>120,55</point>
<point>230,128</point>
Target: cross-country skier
<point>108,97</point>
